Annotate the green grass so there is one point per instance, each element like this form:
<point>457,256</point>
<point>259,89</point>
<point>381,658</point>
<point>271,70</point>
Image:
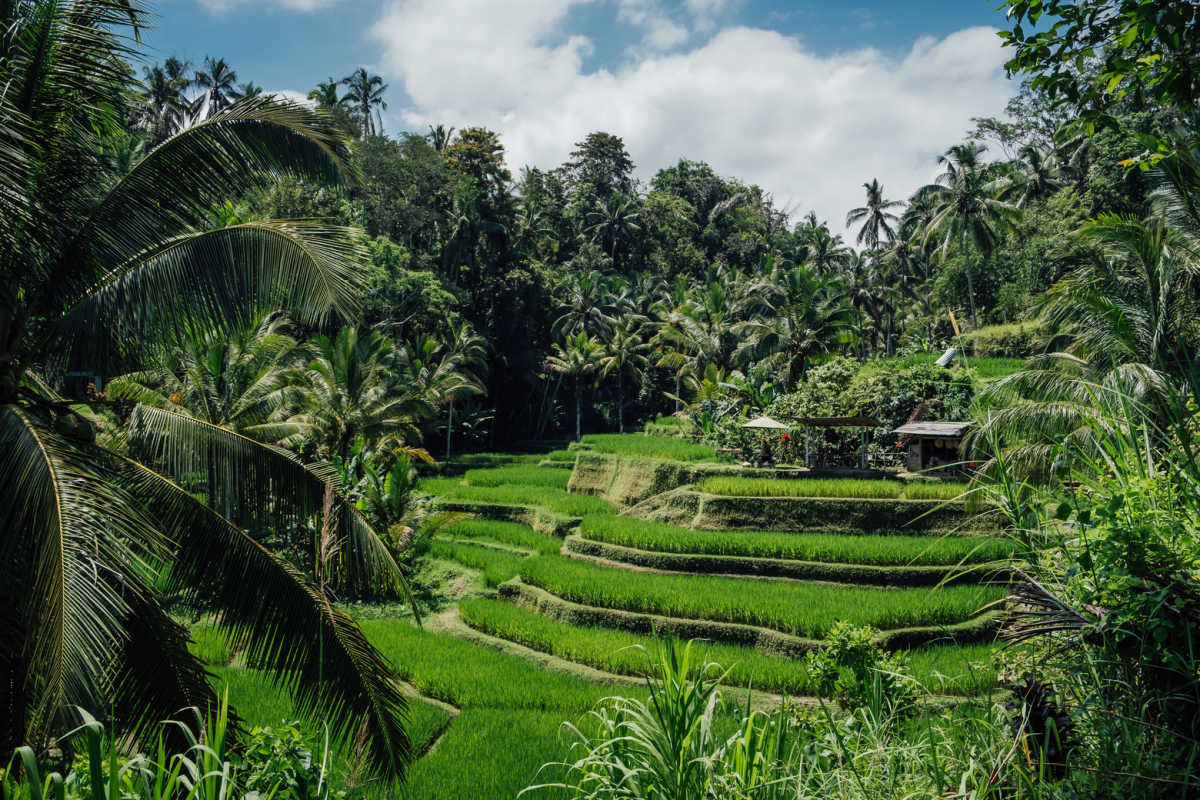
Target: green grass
<point>467,675</point>
<point>210,645</point>
<point>565,456</point>
<point>943,669</point>
<point>639,444</point>
<point>491,753</point>
<point>823,547</point>
<point>802,609</point>
<point>855,488</point>
<point>485,460</point>
<point>497,566</point>
<point>572,505</point>
<point>520,475</point>
<point>508,533</point>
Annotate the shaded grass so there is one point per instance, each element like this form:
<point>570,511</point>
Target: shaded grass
<point>640,444</point>
<point>468,675</point>
<point>210,645</point>
<point>823,547</point>
<point>497,566</point>
<point>508,533</point>
<point>566,456</point>
<point>801,609</point>
<point>572,505</point>
<point>943,669</point>
<point>492,753</point>
<point>857,488</point>
<point>521,475</point>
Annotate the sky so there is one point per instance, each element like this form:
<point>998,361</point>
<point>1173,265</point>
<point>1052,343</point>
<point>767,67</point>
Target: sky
<point>808,99</point>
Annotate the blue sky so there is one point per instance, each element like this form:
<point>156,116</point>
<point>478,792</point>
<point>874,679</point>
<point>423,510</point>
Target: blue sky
<point>768,91</point>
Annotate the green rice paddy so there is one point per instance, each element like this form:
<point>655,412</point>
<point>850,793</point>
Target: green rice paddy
<point>854,488</point>
<point>640,444</point>
<point>823,547</point>
<point>519,475</point>
<point>572,505</point>
<point>513,534</point>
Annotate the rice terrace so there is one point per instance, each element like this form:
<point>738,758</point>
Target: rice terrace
<point>613,399</point>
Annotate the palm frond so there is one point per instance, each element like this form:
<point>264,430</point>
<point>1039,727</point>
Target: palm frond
<point>286,626</point>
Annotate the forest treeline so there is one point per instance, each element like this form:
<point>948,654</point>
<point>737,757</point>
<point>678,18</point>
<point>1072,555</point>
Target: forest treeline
<point>589,298</point>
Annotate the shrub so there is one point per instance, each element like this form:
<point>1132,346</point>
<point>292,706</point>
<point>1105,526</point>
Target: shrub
<point>1015,340</point>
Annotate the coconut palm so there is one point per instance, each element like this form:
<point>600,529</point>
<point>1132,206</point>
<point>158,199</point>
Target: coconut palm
<point>355,388</point>
<point>802,321</point>
<point>876,217</point>
<point>97,269</point>
<point>1036,175</point>
<point>577,358</point>
<point>364,93</point>
<point>218,84</point>
<point>164,108</point>
<point>612,220</point>
<point>625,352</point>
<point>325,94</point>
<point>588,307</point>
<point>967,208</point>
<point>465,354</point>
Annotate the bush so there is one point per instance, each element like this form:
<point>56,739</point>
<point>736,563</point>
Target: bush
<point>1014,340</point>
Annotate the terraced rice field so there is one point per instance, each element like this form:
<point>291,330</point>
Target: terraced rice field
<point>855,488</point>
<point>510,534</point>
<point>941,670</point>
<point>572,505</point>
<point>800,609</point>
<point>521,475</point>
<point>833,548</point>
<point>639,444</point>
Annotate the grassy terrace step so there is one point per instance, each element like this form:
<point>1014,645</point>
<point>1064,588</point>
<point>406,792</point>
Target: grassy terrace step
<point>466,675</point>
<point>698,510</point>
<point>857,488</point>
<point>799,609</point>
<point>786,568</point>
<point>981,628</point>
<point>942,670</point>
<point>639,444</point>
<point>507,533</point>
<point>520,475</point>
<point>451,490</point>
<point>823,547</point>
<point>496,566</point>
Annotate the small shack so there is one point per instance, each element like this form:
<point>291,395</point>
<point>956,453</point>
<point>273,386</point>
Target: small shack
<point>933,445</point>
<point>863,422</point>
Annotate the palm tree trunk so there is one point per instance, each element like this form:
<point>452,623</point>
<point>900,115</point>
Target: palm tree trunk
<point>449,428</point>
<point>970,282</point>
<point>578,409</point>
<point>620,404</point>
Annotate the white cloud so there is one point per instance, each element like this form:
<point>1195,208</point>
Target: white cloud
<point>221,6</point>
<point>752,103</point>
<point>292,96</point>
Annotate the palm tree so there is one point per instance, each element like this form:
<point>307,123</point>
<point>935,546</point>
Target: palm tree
<point>364,93</point>
<point>876,217</point>
<point>164,108</point>
<point>802,321</point>
<point>218,83</point>
<point>967,208</point>
<point>325,94</point>
<point>96,267</point>
<point>466,353</point>
<point>1035,176</point>
<point>440,137</point>
<point>577,358</point>
<point>247,89</point>
<point>588,307</point>
<point>611,221</point>
<point>354,389</point>
<point>624,352</point>
<point>823,250</point>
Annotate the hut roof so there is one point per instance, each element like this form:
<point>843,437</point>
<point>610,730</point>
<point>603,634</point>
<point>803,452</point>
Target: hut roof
<point>934,429</point>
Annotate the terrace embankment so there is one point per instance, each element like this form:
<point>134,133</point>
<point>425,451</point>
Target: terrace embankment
<point>690,508</point>
<point>626,480</point>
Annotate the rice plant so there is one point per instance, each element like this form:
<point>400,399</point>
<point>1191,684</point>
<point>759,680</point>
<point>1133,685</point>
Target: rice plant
<point>856,488</point>
<point>462,673</point>
<point>801,609</point>
<point>566,456</point>
<point>823,547</point>
<point>639,444</point>
<point>572,505</point>
<point>944,669</point>
<point>519,475</point>
<point>506,533</point>
<point>496,566</point>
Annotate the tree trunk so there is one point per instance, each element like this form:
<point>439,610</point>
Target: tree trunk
<point>970,282</point>
<point>449,429</point>
<point>620,404</point>
<point>578,409</point>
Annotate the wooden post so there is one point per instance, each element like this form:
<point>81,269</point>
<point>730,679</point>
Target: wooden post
<point>807,449</point>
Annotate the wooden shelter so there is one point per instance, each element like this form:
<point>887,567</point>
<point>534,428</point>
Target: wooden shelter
<point>864,422</point>
<point>933,445</point>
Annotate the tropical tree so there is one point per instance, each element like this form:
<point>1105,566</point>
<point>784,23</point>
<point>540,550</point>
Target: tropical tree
<point>325,94</point>
<point>1035,176</point>
<point>364,93</point>
<point>966,207</point>
<point>355,388</point>
<point>626,351</point>
<point>577,358</point>
<point>164,109</point>
<point>589,306</point>
<point>95,268</point>
<point>612,220</point>
<point>802,321</point>
<point>218,84</point>
<point>464,352</point>
<point>876,217</point>
<point>440,136</point>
